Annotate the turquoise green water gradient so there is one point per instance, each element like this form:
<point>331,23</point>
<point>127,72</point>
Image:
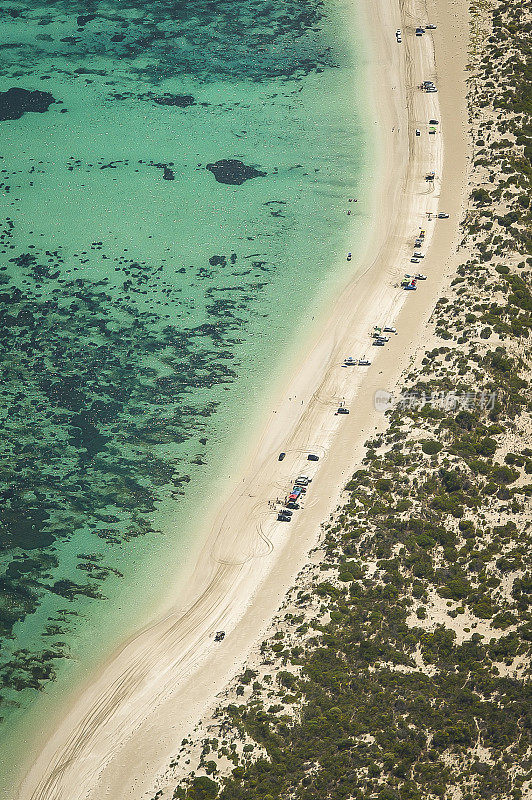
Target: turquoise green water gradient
<point>147,292</point>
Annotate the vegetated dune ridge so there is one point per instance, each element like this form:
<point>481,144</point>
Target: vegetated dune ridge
<point>118,735</point>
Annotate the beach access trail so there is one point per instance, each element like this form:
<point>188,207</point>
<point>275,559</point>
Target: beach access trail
<point>121,731</point>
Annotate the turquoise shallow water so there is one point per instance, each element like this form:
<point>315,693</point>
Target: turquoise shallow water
<point>146,298</point>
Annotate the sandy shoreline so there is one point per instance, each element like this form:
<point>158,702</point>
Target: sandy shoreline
<point>123,729</point>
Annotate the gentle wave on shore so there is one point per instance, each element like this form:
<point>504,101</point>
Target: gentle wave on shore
<point>175,179</point>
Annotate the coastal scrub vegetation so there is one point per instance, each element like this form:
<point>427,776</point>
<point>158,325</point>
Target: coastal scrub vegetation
<point>398,667</point>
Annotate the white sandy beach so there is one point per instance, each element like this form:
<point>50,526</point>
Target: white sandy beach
<point>122,730</point>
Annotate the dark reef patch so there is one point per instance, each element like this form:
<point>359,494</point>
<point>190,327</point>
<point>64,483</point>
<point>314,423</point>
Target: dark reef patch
<point>22,526</point>
<point>107,381</point>
<point>223,40</point>
<point>16,102</point>
<point>233,172</point>
<point>86,435</point>
<point>168,173</point>
<point>83,19</point>
<point>179,100</point>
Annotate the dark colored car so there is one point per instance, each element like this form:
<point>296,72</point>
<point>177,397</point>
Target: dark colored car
<point>284,518</point>
<point>292,504</point>
<point>220,635</point>
<point>312,457</point>
<point>434,122</point>
<point>343,410</point>
<point>281,456</point>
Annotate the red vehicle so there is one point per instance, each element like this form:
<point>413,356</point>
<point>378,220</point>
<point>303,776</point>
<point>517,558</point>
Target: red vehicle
<point>295,492</point>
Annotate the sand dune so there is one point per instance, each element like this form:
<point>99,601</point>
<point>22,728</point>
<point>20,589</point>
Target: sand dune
<point>123,728</point>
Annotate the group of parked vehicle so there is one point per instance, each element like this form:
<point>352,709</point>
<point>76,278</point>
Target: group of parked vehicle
<point>380,335</point>
<point>419,31</point>
<point>356,362</point>
<point>299,488</point>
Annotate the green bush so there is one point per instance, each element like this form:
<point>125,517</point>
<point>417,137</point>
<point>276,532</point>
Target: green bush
<point>483,608</point>
<point>203,788</point>
<point>502,474</point>
<point>456,588</point>
<point>430,447</point>
<point>287,679</point>
<point>487,447</point>
<point>248,676</point>
<point>481,196</point>
<point>467,528</point>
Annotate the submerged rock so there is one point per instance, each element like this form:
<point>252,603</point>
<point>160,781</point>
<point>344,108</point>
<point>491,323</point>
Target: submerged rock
<point>179,100</point>
<point>233,172</point>
<point>84,18</point>
<point>15,102</point>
